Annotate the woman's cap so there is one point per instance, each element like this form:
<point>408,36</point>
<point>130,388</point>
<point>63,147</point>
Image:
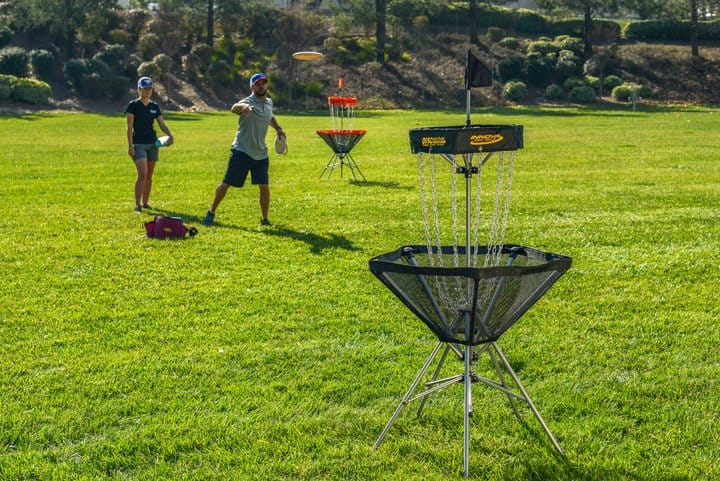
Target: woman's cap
<point>256,77</point>
<point>145,83</point>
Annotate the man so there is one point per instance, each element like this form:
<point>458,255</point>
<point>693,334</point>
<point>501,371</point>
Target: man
<point>248,153</point>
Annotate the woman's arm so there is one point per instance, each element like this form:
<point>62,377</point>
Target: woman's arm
<point>130,118</point>
<point>163,126</point>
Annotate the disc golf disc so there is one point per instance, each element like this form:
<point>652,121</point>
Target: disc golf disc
<point>162,141</point>
<point>281,145</point>
<point>308,55</point>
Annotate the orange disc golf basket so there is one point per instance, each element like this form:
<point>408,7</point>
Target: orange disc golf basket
<point>342,138</point>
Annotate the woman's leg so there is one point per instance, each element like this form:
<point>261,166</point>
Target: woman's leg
<point>142,169</point>
<point>148,182</point>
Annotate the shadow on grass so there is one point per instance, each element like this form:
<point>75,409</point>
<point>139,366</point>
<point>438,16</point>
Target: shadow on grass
<point>316,242</point>
<point>385,185</point>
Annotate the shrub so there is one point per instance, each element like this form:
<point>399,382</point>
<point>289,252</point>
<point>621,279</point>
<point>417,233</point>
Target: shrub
<point>582,93</point>
<point>108,86</point>
<point>221,72</point>
<point>31,91</point>
<point>572,82</point>
<point>149,45</point>
<point>510,68</point>
<point>203,52</point>
<point>554,92</point>
<point>543,47</point>
<point>539,69</point>
<point>119,36</point>
<point>6,86</point>
<point>612,81</point>
<point>657,30</point>
<point>509,42</point>
<point>495,34</point>
<point>43,63</point>
<point>94,79</point>
<point>148,69</point>
<point>113,56</point>
<point>566,42</point>
<point>420,23</point>
<point>628,91</point>
<point>593,81</point>
<point>599,64</point>
<point>568,64</point>
<point>191,65</point>
<point>14,61</point>
<point>5,35</point>
<point>133,63</point>
<point>515,90</point>
<point>164,62</point>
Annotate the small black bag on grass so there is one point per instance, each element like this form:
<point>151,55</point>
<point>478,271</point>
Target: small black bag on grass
<point>163,227</point>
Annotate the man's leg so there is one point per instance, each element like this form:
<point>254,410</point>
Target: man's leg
<point>219,195</point>
<point>264,200</point>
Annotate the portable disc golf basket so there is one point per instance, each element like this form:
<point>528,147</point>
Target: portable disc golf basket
<point>342,138</point>
<point>467,295</point>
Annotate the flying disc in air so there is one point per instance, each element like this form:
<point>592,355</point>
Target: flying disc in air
<point>281,145</point>
<point>308,55</point>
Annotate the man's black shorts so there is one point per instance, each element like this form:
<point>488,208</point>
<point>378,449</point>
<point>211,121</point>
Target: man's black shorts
<point>240,164</point>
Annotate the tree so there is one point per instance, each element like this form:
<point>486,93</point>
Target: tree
<point>587,8</point>
<point>380,15</point>
<point>473,22</point>
<point>210,22</point>
<point>694,50</point>
<point>60,18</point>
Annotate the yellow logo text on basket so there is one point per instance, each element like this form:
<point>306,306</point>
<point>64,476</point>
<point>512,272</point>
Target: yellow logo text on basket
<point>486,139</point>
<point>434,141</point>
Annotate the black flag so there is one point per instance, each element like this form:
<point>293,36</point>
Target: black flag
<point>477,74</point>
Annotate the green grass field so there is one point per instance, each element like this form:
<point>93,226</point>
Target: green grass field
<point>254,353</point>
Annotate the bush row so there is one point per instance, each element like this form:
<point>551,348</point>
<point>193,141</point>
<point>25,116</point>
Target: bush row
<point>24,90</point>
<point>530,22</point>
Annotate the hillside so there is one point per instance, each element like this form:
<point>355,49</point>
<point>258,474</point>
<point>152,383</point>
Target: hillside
<point>431,78</point>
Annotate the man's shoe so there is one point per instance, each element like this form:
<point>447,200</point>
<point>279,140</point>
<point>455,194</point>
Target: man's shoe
<point>265,221</point>
<point>137,209</point>
<point>209,219</point>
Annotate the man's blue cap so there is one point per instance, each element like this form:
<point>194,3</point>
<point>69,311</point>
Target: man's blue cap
<point>145,83</point>
<point>256,77</point>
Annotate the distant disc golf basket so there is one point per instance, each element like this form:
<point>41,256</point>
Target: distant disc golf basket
<point>342,138</point>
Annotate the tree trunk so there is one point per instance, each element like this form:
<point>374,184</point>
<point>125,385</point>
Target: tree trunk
<point>380,6</point>
<point>695,51</point>
<point>473,23</point>
<point>68,31</point>
<point>587,26</point>
<point>210,22</point>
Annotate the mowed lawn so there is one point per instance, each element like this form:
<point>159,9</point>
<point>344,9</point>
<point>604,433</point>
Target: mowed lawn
<point>272,353</point>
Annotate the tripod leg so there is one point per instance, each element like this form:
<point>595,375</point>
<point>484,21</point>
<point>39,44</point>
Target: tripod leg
<point>330,165</point>
<point>529,401</point>
<point>501,377</point>
<point>353,166</point>
<point>409,393</point>
<point>434,377</point>
<point>468,410</point>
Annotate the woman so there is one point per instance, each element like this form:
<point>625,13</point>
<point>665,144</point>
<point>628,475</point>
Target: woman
<point>140,114</point>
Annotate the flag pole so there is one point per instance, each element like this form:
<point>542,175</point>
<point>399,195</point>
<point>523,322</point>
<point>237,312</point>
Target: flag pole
<point>467,90</point>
